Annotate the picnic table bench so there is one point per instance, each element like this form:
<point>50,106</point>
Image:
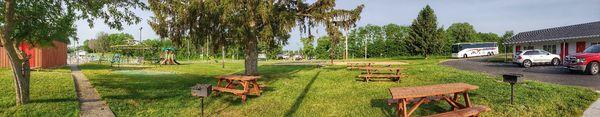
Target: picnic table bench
<point>248,83</point>
<point>423,94</point>
<point>381,72</point>
<point>352,66</point>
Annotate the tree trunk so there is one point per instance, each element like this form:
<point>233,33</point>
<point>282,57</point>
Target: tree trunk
<point>223,56</point>
<point>20,67</point>
<point>251,60</point>
<point>21,75</point>
<point>332,53</point>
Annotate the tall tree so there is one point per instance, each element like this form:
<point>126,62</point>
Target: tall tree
<point>247,23</point>
<point>40,22</point>
<point>323,12</point>
<point>308,48</point>
<point>507,35</point>
<point>461,32</point>
<point>425,36</point>
<point>396,37</point>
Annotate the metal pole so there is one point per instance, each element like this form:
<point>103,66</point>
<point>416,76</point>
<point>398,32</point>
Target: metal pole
<point>505,52</point>
<point>201,107</point>
<point>512,93</point>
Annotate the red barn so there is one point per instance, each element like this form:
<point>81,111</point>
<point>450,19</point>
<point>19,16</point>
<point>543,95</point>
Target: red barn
<point>41,57</point>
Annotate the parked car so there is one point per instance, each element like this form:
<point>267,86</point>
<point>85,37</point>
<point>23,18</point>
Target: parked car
<point>297,57</point>
<point>527,58</point>
<point>586,62</point>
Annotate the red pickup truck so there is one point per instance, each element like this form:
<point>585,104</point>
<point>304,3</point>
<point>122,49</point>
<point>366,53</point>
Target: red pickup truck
<point>588,61</point>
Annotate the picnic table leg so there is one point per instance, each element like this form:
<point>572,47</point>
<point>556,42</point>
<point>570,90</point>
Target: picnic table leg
<point>246,90</point>
<point>230,84</point>
<point>467,100</point>
<point>255,88</point>
<point>404,113</point>
<point>455,98</point>
<point>399,108</point>
<point>218,85</point>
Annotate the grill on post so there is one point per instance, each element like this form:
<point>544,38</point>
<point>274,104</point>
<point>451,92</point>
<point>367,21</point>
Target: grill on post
<point>201,91</point>
<point>512,79</point>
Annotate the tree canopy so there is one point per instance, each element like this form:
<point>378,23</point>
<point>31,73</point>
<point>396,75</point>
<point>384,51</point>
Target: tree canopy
<point>462,32</point>
<point>40,22</point>
<point>246,23</point>
<point>425,36</point>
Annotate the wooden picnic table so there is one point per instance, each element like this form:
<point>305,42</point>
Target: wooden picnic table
<point>423,94</point>
<point>379,72</point>
<point>249,85</point>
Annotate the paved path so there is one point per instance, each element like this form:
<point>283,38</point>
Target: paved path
<point>90,104</point>
<point>552,74</point>
<point>593,110</point>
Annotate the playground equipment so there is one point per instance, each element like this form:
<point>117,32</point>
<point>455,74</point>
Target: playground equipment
<point>124,54</point>
<point>168,57</point>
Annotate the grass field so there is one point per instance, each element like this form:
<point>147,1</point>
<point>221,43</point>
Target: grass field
<point>311,91</point>
<point>52,94</point>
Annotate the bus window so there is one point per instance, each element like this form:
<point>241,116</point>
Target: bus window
<point>456,48</point>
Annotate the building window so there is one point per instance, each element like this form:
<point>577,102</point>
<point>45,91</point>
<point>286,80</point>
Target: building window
<point>550,48</point>
<point>595,43</point>
<point>528,48</point>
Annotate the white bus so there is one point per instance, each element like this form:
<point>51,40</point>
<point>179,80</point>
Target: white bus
<point>465,50</point>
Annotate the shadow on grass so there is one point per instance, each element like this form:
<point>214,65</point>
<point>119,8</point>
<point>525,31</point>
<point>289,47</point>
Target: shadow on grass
<point>150,87</point>
<point>300,98</point>
<point>272,73</point>
<point>95,66</point>
<point>389,111</point>
<point>53,100</point>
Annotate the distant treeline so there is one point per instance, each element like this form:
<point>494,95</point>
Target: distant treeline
<point>423,37</point>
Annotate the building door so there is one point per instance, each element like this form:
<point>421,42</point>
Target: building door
<point>580,47</point>
<point>564,50</point>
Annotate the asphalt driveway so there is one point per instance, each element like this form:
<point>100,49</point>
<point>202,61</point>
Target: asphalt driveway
<point>552,74</point>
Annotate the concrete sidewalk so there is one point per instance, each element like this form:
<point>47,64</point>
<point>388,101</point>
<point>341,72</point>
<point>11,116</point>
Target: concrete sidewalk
<point>593,110</point>
<point>90,103</point>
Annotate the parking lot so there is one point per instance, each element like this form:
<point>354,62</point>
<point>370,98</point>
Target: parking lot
<point>552,74</point>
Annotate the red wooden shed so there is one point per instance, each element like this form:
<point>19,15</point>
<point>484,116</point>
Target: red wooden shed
<point>41,57</point>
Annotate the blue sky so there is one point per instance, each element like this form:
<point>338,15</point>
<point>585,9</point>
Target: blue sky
<point>496,16</point>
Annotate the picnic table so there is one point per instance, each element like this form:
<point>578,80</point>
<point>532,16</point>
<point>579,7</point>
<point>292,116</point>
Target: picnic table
<point>228,83</point>
<point>380,72</point>
<point>424,94</point>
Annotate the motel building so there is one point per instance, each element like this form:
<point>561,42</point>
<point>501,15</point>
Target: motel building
<point>562,41</point>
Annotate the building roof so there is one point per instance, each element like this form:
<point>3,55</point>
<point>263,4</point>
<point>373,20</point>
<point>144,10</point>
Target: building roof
<point>578,31</point>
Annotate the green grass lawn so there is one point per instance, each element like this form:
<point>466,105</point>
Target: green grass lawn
<point>52,94</point>
<point>311,91</point>
<point>500,58</point>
